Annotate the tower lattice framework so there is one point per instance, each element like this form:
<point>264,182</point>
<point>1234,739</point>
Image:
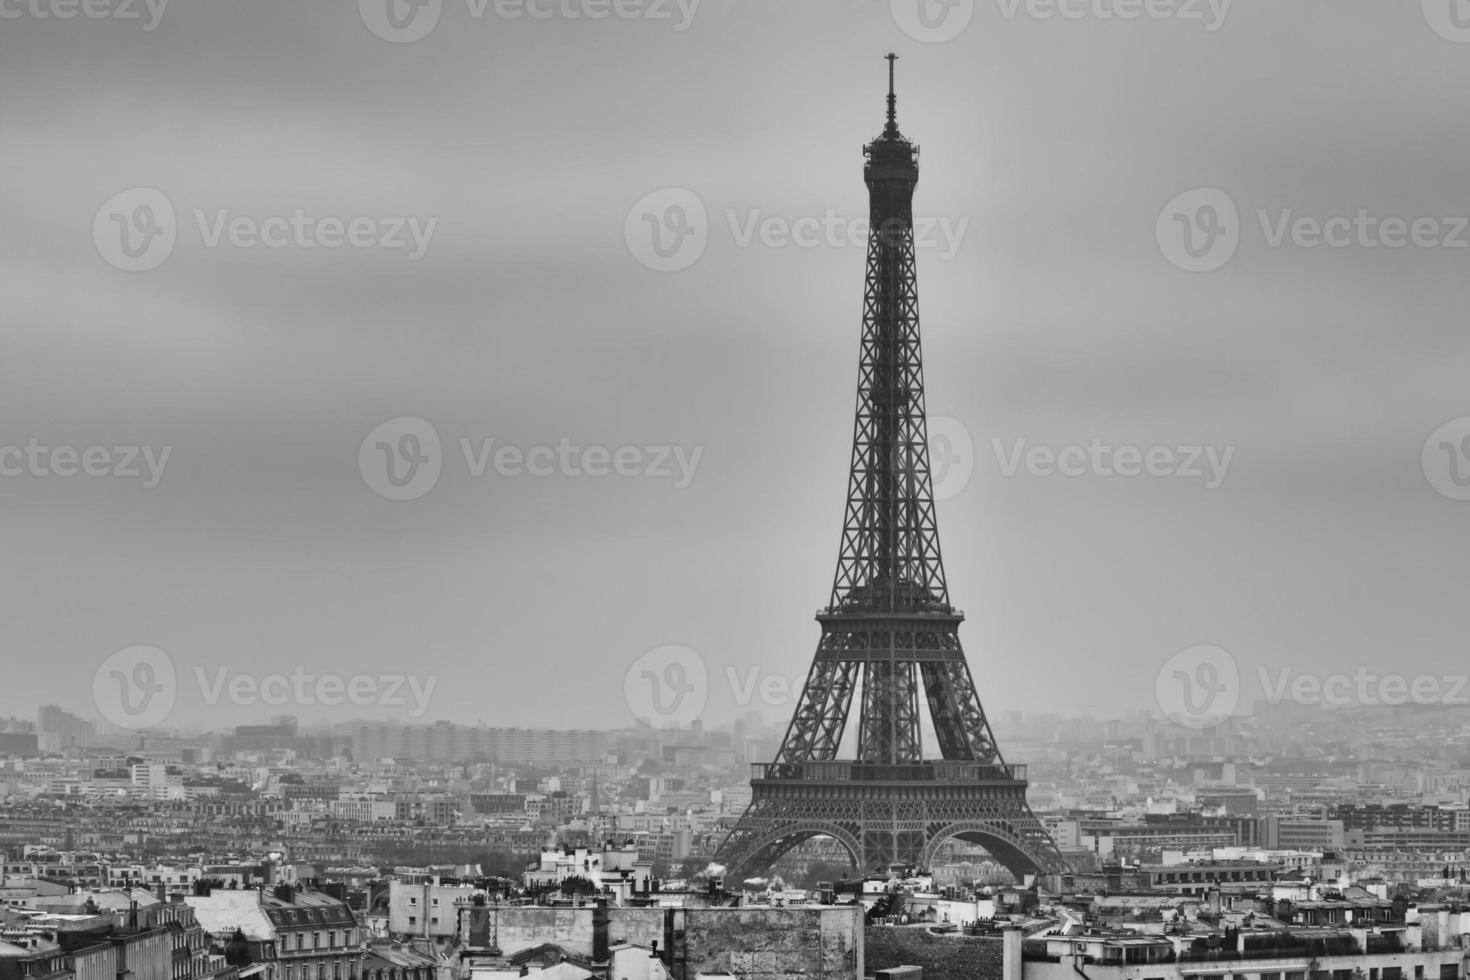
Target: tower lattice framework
<point>890,637</point>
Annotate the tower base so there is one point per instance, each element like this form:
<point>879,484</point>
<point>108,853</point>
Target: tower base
<point>889,815</point>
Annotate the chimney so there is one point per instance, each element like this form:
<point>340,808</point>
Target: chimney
<point>600,952</point>
<point>1011,965</point>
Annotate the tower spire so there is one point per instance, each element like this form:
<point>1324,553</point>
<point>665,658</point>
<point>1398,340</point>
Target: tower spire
<point>891,130</point>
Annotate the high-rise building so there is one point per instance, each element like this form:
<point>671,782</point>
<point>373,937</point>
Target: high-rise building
<point>70,730</point>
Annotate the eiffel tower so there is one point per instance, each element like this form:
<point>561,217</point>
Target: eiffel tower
<point>889,632</point>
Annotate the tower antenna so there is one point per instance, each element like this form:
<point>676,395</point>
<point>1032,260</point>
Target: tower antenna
<point>892,128</point>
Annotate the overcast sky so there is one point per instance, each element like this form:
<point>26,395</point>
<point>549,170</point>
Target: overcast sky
<point>521,145</point>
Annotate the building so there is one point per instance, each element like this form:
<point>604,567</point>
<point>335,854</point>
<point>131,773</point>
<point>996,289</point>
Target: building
<point>446,742</point>
<point>393,961</point>
<point>298,934</point>
<point>70,730</point>
<point>1325,954</point>
<point>425,910</point>
<point>156,781</point>
<point>819,942</point>
<point>1301,833</point>
<point>1200,878</point>
<point>621,871</point>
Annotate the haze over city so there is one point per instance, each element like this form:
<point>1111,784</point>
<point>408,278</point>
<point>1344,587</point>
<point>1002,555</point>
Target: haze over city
<point>1050,146</point>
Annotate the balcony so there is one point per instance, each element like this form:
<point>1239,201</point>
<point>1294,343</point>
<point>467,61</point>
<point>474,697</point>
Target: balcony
<point>899,612</point>
<point>917,772</point>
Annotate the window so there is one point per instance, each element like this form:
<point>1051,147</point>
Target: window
<point>301,940</point>
<point>316,940</point>
<point>413,900</point>
<point>332,937</point>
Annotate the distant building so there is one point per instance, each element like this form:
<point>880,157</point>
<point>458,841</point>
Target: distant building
<point>1200,878</point>
<point>446,742</point>
<point>70,730</point>
<point>1301,833</point>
